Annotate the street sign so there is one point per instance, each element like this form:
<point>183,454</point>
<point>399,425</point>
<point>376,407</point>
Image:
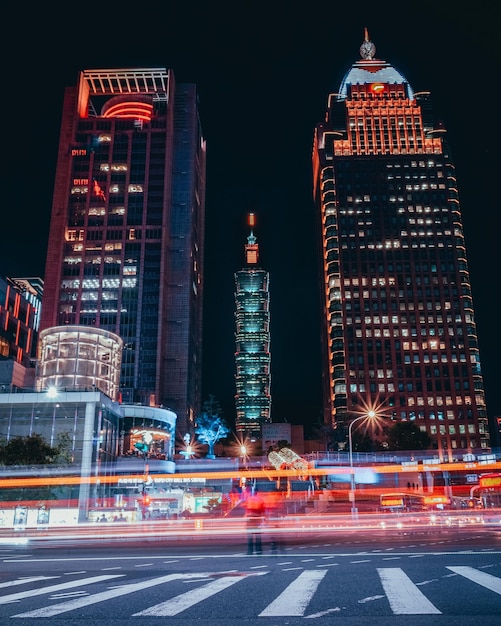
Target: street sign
<point>142,447</point>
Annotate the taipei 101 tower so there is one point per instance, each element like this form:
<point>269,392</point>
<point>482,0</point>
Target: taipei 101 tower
<point>252,336</point>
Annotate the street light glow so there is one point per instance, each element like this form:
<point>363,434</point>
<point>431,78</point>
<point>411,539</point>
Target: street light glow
<point>371,415</point>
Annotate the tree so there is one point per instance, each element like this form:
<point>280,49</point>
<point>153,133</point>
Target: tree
<point>63,446</point>
<point>29,450</point>
<point>324,433</point>
<point>363,442</point>
<point>210,426</point>
<point>34,450</point>
<point>407,436</point>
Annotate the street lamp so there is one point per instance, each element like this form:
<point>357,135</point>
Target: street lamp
<point>369,415</point>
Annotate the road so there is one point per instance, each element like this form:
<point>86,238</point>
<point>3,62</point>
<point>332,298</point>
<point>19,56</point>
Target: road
<point>426,577</point>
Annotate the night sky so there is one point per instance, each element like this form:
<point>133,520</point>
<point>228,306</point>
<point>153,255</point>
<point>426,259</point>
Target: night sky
<point>263,72</point>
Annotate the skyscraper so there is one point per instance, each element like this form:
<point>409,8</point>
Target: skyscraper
<point>20,304</point>
<point>399,329</point>
<point>252,356</point>
<point>126,241</point>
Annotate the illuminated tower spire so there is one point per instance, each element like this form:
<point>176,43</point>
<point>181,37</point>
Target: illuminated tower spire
<point>251,249</point>
<point>252,355</point>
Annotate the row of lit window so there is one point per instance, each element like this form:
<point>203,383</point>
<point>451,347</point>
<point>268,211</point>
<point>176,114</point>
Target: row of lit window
<point>79,235</point>
<point>423,222</point>
<point>383,293</point>
<point>437,173</point>
<point>451,429</point>
<point>388,373</point>
<point>388,243</point>
<point>102,311</point>
<point>115,260</point>
<point>132,188</point>
<point>425,244</point>
<point>100,211</point>
<point>385,388</point>
<point>454,444</point>
<point>426,358</point>
<point>386,332</point>
<point>406,332</point>
<point>114,167</point>
<point>439,401</point>
<point>328,172</point>
<point>382,281</point>
<point>106,283</point>
<point>402,319</point>
<point>410,208</point>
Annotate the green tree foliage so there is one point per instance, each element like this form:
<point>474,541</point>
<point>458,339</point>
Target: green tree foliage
<point>210,426</point>
<point>407,436</point>
<point>34,450</point>
<point>64,449</point>
<point>363,442</point>
<point>30,450</point>
<point>325,434</point>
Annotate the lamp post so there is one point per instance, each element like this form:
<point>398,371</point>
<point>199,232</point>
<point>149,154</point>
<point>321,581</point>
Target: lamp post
<point>369,415</point>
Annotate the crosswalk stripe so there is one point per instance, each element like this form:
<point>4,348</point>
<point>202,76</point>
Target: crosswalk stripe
<point>186,600</point>
<point>24,581</point>
<point>78,603</point>
<point>67,585</point>
<point>493,583</point>
<point>403,595</point>
<point>296,597</point>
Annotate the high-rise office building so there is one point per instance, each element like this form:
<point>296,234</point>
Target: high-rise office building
<point>252,336</point>
<point>20,305</point>
<point>399,326</point>
<point>126,241</point>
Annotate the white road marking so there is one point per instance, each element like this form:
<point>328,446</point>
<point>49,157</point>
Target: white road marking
<point>296,597</point>
<point>22,581</point>
<point>186,600</point>
<point>493,583</point>
<point>403,595</point>
<point>322,613</point>
<point>78,603</point>
<point>14,597</point>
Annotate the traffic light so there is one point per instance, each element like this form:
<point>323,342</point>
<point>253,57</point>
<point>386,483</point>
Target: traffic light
<point>146,500</point>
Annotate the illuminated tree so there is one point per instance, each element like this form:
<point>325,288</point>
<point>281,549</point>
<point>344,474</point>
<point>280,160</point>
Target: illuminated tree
<point>210,426</point>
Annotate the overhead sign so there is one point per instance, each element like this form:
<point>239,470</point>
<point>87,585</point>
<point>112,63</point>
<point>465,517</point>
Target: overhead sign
<point>271,434</point>
<point>490,480</point>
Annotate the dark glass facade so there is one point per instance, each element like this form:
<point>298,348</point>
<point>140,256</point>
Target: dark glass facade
<point>399,329</point>
<point>126,240</point>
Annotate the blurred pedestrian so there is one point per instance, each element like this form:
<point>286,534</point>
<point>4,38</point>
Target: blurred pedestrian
<point>256,515</point>
<point>273,515</point>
